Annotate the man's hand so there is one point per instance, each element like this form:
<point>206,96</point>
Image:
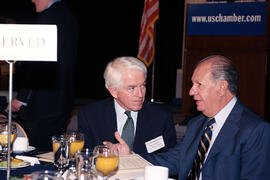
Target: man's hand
<point>122,146</point>
<point>16,105</point>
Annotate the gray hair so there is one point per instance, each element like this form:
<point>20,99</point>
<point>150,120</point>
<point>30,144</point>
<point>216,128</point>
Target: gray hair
<point>113,70</point>
<point>223,69</point>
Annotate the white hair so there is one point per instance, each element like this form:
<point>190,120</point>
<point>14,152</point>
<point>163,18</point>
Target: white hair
<point>113,70</point>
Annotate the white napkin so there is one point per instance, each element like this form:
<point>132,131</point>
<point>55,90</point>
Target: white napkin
<point>32,160</point>
<point>48,157</point>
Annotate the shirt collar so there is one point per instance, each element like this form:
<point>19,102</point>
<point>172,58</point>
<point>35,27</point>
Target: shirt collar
<point>222,115</point>
<point>118,108</point>
<point>52,2</point>
<point>121,111</point>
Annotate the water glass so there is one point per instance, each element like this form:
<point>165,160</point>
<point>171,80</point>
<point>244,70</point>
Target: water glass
<point>61,149</point>
<point>72,171</point>
<point>84,161</point>
<point>45,175</point>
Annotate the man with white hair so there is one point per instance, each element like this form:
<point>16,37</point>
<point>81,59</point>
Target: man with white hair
<point>152,128</point>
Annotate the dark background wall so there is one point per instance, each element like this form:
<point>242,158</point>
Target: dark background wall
<point>111,29</point>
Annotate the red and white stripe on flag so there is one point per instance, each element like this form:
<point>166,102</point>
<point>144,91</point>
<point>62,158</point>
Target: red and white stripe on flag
<point>146,43</point>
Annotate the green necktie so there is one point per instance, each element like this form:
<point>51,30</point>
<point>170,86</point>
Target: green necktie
<point>128,130</point>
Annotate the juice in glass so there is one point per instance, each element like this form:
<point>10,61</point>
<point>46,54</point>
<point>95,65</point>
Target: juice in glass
<point>4,139</point>
<point>76,145</point>
<point>106,164</point>
<point>56,146</point>
<point>56,142</point>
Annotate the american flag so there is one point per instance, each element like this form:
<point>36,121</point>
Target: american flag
<point>146,43</point>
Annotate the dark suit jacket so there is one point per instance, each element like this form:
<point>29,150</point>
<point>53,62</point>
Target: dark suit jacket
<point>98,123</point>
<point>47,87</point>
<point>241,149</point>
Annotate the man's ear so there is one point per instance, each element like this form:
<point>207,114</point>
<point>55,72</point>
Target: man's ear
<point>113,91</point>
<point>223,87</point>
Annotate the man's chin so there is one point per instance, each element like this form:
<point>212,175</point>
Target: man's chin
<point>137,108</point>
<point>199,108</point>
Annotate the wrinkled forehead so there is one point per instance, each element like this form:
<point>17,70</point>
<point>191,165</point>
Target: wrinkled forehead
<point>202,70</point>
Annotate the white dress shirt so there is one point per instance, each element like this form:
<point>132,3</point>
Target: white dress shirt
<point>52,2</point>
<point>121,117</point>
<point>220,118</point>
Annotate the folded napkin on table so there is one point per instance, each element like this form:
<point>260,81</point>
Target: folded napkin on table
<point>48,157</point>
<point>32,160</point>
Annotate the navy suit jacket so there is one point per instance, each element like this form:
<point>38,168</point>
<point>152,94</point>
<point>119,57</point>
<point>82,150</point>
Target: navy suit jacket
<point>240,151</point>
<point>98,123</point>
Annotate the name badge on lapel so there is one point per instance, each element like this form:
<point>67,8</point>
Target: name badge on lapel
<point>155,144</point>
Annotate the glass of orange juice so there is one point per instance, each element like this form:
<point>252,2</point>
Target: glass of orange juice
<point>76,141</point>
<point>107,161</point>
<point>56,142</point>
<point>4,137</point>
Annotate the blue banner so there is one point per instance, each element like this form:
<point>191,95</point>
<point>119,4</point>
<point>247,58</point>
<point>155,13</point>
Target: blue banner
<point>227,19</point>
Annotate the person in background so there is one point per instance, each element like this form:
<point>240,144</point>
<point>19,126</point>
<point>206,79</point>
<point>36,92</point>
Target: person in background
<point>152,124</point>
<point>45,98</point>
<point>239,142</point>
<point>4,75</point>
<point>3,107</point>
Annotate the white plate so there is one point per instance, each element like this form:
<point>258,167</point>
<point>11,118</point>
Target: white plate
<point>30,148</point>
<point>21,165</point>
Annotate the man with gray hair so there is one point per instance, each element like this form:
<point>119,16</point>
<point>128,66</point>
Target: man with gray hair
<point>227,141</point>
<point>147,127</point>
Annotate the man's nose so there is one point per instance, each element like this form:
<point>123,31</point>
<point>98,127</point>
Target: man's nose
<point>139,92</point>
<point>192,91</point>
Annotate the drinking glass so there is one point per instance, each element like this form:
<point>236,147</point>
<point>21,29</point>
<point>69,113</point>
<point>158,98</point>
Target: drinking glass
<point>107,161</point>
<point>61,152</point>
<point>71,173</point>
<point>76,141</point>
<point>45,175</point>
<point>84,161</point>
<point>4,138</point>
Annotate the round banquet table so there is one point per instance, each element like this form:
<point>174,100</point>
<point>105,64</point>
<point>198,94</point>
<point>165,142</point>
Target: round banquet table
<point>20,172</point>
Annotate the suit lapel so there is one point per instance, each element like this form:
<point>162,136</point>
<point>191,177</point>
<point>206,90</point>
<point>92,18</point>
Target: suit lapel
<point>195,135</point>
<point>110,116</point>
<point>192,138</point>
<point>227,132</point>
<point>140,126</point>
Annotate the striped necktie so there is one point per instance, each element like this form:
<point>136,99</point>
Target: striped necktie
<point>128,130</point>
<point>202,149</point>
